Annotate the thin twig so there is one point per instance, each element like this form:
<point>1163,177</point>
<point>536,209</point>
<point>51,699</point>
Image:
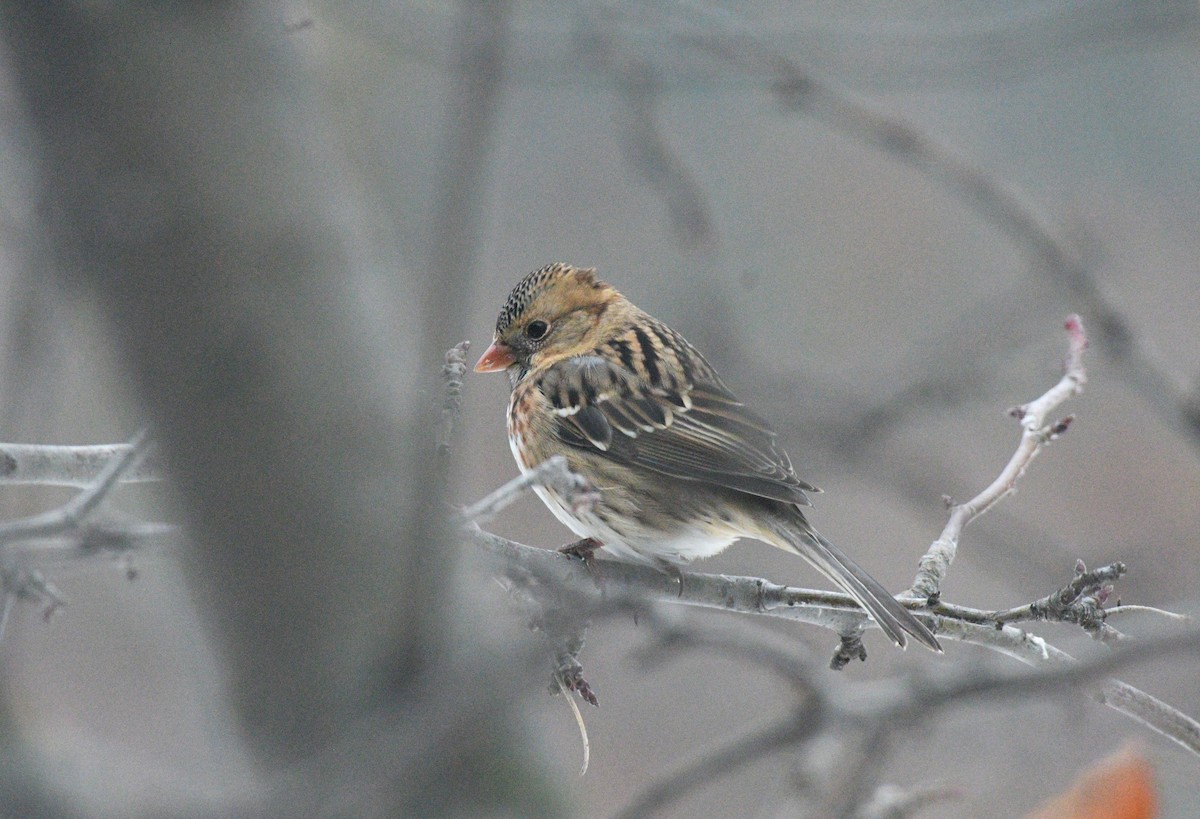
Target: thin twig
<point>452,373</point>
<point>757,596</point>
<point>553,473</point>
<point>70,514</point>
<point>745,595</point>
<point>1081,602</point>
<point>94,540</point>
<point>794,666</point>
<point>655,159</point>
<point>20,582</point>
<point>954,690</point>
<point>1124,609</point>
<point>889,705</point>
<point>1036,431</point>
<point>583,734</point>
<point>1161,717</point>
<point>1054,605</point>
<point>55,465</point>
<point>647,150</point>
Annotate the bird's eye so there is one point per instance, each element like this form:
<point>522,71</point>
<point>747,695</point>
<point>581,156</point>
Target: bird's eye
<point>536,330</point>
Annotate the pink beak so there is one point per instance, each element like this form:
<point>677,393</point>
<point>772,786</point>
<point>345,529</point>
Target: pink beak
<point>495,358</point>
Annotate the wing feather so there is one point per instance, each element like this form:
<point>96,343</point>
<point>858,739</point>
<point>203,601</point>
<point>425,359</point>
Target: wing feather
<point>696,431</point>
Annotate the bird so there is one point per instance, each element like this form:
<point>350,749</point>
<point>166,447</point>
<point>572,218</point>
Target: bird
<point>680,466</point>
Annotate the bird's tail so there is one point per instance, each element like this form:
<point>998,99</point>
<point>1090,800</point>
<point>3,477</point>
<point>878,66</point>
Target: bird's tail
<point>831,561</point>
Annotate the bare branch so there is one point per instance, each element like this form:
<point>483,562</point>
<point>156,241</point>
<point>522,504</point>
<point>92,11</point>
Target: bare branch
<point>1158,716</point>
<point>95,539</point>
<point>886,707</point>
<point>953,690</point>
<point>70,514</point>
<point>795,87</point>
<point>1037,431</point>
<point>1063,670</point>
<point>452,372</point>
<point>1123,609</point>
<point>748,595</point>
<point>653,157</point>
<point>1081,602</point>
<point>552,472</point>
<point>565,690</point>
<point>647,150</point>
<point>50,465</point>
<point>623,581</point>
<point>21,582</point>
<point>794,666</point>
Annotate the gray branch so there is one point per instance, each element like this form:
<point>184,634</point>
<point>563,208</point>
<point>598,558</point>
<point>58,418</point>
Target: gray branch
<point>1037,430</point>
<point>620,583</point>
<point>50,465</point>
<point>74,511</point>
<point>553,473</point>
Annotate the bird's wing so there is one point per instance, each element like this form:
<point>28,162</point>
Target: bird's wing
<point>688,425</point>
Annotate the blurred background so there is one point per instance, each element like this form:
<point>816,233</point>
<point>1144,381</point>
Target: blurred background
<point>872,222</point>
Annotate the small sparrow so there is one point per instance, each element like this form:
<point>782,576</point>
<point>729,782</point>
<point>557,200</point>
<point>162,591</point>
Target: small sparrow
<point>682,468</point>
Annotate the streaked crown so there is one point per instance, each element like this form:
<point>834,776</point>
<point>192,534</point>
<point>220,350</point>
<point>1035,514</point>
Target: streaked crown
<point>537,282</point>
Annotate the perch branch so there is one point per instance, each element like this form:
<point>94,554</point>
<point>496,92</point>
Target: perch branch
<point>625,583</point>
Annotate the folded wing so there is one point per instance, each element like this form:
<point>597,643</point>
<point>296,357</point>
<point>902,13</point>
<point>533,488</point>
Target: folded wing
<point>690,427</point>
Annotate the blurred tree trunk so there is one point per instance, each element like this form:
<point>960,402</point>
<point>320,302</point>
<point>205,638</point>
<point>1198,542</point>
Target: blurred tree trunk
<point>185,183</point>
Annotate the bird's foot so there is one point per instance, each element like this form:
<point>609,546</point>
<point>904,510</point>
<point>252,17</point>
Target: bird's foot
<point>585,549</point>
<point>674,571</point>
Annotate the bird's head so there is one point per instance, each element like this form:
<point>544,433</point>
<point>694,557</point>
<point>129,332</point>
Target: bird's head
<point>553,313</point>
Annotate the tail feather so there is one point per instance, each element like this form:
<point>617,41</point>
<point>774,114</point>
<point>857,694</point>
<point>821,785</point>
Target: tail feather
<point>893,618</point>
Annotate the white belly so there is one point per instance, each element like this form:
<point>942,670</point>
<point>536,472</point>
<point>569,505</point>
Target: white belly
<point>640,546</point>
<point>634,544</point>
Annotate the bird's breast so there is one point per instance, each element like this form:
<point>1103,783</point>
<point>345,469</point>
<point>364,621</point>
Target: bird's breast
<point>525,438</point>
